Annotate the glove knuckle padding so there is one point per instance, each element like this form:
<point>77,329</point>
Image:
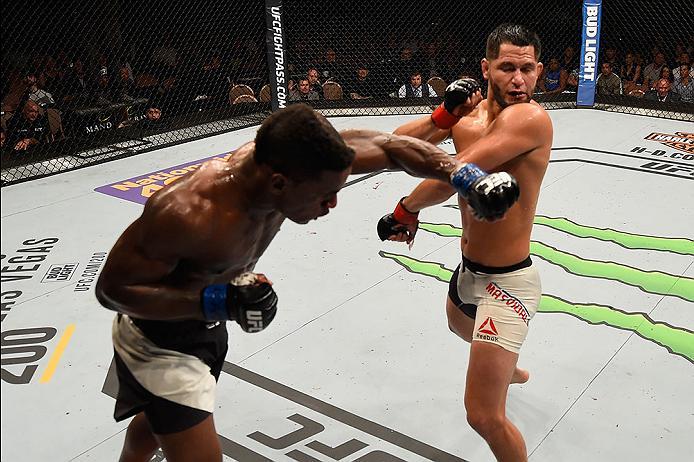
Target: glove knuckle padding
<point>458,92</point>
<point>387,226</point>
<point>256,305</point>
<point>494,195</point>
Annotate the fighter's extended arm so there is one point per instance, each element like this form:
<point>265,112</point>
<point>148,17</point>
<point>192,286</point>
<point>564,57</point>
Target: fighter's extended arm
<point>376,150</point>
<point>488,195</point>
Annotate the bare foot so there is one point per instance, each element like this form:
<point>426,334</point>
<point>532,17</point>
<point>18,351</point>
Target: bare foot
<point>520,376</point>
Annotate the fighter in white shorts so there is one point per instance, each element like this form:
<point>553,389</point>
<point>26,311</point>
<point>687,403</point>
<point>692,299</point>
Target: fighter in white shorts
<point>501,300</point>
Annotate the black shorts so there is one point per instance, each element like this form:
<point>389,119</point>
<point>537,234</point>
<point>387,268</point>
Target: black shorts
<point>168,370</point>
<point>469,309</point>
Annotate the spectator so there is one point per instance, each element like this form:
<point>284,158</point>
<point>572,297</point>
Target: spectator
<point>663,92</point>
<point>104,66</point>
<point>313,82</point>
<point>51,78</point>
<point>666,73</point>
<point>165,58</point>
<point>611,57</point>
<point>304,93</point>
<point>300,55</point>
<point>630,74</point>
<point>77,85</point>
<point>415,88</point>
<point>214,83</point>
<point>683,59</point>
<point>3,137</point>
<point>569,61</point>
<point>362,85</point>
<point>572,81</point>
<point>404,67</point>
<point>684,86</point>
<point>608,83</point>
<point>166,100</point>
<point>553,79</point>
<point>27,128</point>
<point>652,71</point>
<point>330,69</point>
<point>432,62</point>
<point>152,119</point>
<point>124,87</point>
<point>103,91</point>
<point>34,93</point>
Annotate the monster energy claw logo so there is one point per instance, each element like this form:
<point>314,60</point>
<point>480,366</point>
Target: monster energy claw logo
<point>677,340</point>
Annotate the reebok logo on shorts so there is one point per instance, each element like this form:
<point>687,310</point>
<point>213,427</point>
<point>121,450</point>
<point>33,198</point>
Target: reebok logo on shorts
<point>487,331</point>
<point>512,302</point>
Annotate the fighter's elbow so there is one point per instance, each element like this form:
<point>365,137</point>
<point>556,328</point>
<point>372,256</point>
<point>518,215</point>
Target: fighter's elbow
<point>105,295</point>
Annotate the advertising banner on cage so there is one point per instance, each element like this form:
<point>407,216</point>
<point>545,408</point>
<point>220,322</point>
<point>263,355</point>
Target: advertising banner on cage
<point>590,49</point>
<point>276,55</point>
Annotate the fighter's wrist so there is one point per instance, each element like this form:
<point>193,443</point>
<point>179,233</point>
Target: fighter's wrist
<point>405,215</point>
<point>443,119</point>
<point>465,176</point>
<point>213,301</point>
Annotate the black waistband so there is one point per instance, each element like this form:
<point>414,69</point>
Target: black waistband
<point>479,268</point>
<point>175,332</point>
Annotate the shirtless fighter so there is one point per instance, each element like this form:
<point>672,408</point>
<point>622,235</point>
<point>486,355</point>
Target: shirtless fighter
<point>495,291</point>
<point>183,267</point>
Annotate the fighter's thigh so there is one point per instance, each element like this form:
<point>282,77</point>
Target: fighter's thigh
<point>458,322</point>
<point>489,374</point>
<point>199,443</point>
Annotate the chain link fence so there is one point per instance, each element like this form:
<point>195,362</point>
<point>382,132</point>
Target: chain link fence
<point>94,81</point>
<point>98,81</point>
<point>396,58</point>
<point>644,42</point>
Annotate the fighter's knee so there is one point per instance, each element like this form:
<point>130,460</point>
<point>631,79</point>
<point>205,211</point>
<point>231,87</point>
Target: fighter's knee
<point>484,422</point>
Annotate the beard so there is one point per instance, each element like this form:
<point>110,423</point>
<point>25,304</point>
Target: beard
<point>498,96</point>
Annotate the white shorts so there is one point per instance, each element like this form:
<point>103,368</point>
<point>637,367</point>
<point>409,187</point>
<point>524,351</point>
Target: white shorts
<point>501,300</point>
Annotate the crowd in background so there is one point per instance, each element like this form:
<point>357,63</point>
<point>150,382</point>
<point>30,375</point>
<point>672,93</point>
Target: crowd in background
<point>659,77</point>
<point>40,98</point>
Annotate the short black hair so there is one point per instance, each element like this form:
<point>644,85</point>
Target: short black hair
<point>300,143</point>
<point>514,34</point>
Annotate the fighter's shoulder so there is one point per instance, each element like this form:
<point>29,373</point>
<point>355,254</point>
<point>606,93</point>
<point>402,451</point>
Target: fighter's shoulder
<point>526,116</point>
<point>531,109</point>
<point>184,212</point>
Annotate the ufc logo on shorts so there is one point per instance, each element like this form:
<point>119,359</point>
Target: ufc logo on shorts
<point>254,320</point>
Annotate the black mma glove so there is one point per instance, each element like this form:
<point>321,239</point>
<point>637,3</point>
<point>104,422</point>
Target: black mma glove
<point>489,195</point>
<point>401,220</point>
<point>457,93</point>
<point>252,305</point>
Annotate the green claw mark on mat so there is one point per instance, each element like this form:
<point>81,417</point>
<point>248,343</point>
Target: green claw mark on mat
<point>435,270</point>
<point>677,340</point>
<point>655,282</point>
<point>680,245</point>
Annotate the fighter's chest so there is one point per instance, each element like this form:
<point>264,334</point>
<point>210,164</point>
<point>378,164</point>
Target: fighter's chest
<point>238,246</point>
